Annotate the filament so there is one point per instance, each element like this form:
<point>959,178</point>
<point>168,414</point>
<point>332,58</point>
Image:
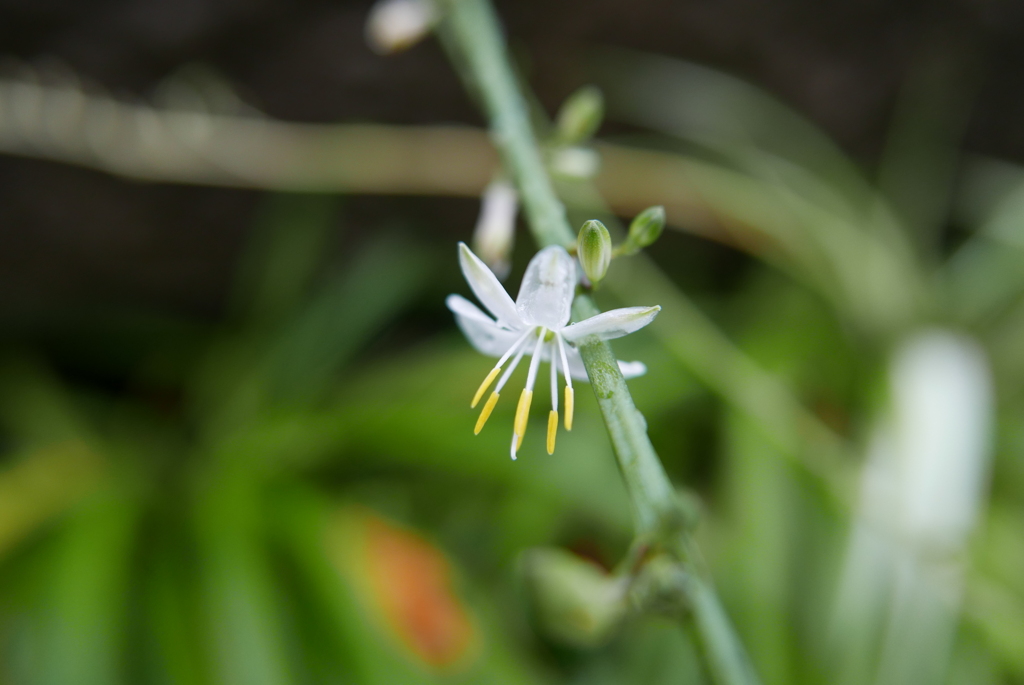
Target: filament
<point>497,368</point>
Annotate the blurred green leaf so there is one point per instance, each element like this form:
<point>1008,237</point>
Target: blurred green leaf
<point>85,608</point>
<point>35,407</point>
<point>173,648</point>
<point>919,163</point>
<point>342,316</point>
<point>287,249</point>
<point>759,572</point>
<point>243,622</point>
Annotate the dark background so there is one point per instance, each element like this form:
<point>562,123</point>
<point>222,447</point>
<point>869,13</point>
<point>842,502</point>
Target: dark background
<point>72,240</point>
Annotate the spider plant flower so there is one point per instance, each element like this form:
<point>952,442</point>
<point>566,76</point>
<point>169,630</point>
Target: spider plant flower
<point>496,226</point>
<point>396,25</point>
<point>536,324</point>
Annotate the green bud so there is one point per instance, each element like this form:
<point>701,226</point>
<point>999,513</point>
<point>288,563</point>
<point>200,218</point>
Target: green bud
<point>660,587</point>
<point>594,248</point>
<point>646,228</point>
<point>576,601</point>
<point>580,115</point>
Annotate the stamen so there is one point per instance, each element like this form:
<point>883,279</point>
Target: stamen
<point>553,414</point>
<point>483,386</point>
<point>531,377</point>
<point>565,360</point>
<point>569,394</point>
<point>485,413</point>
<point>523,410</point>
<point>508,372</point>
<point>554,379</point>
<point>568,407</point>
<point>522,414</point>
<point>493,399</point>
<point>497,367</point>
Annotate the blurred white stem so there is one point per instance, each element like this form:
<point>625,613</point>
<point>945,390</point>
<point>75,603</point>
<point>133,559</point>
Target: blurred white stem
<point>921,491</point>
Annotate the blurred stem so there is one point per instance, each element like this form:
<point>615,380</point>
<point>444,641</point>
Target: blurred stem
<point>723,651</point>
<point>475,36</point>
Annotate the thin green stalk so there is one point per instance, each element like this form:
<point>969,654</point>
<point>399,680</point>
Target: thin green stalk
<point>651,492</point>
<point>724,653</point>
<point>475,36</point>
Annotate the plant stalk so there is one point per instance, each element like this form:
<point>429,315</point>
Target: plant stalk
<point>474,35</point>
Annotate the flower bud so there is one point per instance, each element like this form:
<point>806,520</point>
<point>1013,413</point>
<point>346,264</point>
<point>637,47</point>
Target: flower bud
<point>594,248</point>
<point>574,162</point>
<point>496,226</point>
<point>660,587</point>
<point>645,229</point>
<point>396,25</point>
<point>575,600</point>
<point>580,115</point>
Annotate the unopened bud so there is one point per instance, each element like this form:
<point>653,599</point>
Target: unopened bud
<point>580,115</point>
<point>645,229</point>
<point>594,248</point>
<point>575,162</point>
<point>576,601</point>
<point>495,228</point>
<point>660,587</point>
<point>395,25</point>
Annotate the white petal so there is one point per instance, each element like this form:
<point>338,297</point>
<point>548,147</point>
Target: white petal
<point>579,371</point>
<point>485,335</point>
<point>613,324</point>
<point>545,297</point>
<point>632,369</point>
<point>487,288</point>
<point>463,307</point>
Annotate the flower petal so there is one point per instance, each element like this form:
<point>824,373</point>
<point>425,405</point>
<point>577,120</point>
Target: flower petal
<point>483,334</point>
<point>632,369</point>
<point>579,372</point>
<point>463,307</point>
<point>545,297</point>
<point>487,288</point>
<point>613,324</point>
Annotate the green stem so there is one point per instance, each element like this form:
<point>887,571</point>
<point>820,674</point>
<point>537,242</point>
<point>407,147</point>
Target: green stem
<point>725,656</point>
<point>654,499</point>
<point>475,37</point>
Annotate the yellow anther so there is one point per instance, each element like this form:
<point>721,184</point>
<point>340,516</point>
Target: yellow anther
<point>483,386</point>
<point>485,413</point>
<point>552,430</point>
<point>568,408</point>
<point>522,414</point>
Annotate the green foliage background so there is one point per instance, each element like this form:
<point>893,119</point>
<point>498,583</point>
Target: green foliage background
<point>171,526</point>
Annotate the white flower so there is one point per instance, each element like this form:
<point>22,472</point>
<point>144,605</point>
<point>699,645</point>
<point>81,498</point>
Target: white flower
<point>575,162</point>
<point>537,323</point>
<point>496,226</point>
<point>395,25</point>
